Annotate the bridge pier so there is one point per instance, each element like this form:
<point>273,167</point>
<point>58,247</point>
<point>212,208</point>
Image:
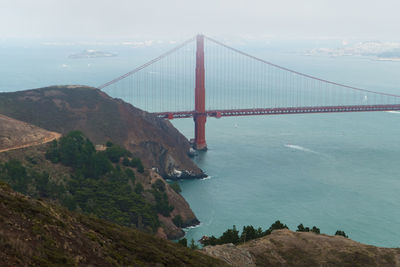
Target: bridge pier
<point>200,116</point>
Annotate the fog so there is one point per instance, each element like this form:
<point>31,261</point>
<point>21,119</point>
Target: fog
<point>183,18</point>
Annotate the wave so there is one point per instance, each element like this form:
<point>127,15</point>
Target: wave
<point>206,178</point>
<point>392,111</point>
<point>191,227</point>
<point>301,148</point>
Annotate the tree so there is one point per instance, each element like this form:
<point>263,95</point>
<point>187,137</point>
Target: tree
<point>183,242</point>
<point>175,186</point>
<point>230,236</point>
<point>249,233</point>
<point>193,245</point>
<point>275,226</point>
<point>315,230</point>
<point>300,228</point>
<point>139,188</point>
<point>341,233</point>
<point>115,152</point>
<point>125,161</point>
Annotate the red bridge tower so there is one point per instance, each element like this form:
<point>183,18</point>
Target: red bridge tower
<point>200,98</point>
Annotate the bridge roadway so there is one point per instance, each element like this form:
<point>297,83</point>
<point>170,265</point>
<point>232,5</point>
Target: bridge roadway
<point>277,111</point>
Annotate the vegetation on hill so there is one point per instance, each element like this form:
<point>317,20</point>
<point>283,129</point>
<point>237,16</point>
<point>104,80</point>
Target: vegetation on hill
<point>102,118</point>
<point>101,183</point>
<point>288,248</point>
<point>250,233</point>
<point>37,233</point>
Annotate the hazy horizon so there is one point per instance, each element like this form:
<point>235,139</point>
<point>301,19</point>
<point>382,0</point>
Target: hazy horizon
<point>180,19</point>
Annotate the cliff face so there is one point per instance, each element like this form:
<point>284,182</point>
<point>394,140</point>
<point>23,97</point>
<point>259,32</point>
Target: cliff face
<point>181,208</point>
<point>287,248</point>
<point>102,118</point>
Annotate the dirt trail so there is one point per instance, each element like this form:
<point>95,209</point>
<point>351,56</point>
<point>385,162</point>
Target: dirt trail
<point>15,134</point>
<point>45,140</point>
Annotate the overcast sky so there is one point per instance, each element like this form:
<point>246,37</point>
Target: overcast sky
<point>183,18</point>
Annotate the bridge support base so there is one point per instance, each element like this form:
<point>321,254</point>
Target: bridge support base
<point>200,132</point>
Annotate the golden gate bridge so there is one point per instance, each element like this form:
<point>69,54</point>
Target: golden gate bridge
<point>203,77</point>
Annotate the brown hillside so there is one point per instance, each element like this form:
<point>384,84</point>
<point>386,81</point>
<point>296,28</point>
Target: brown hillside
<point>287,248</point>
<point>102,118</point>
<point>34,158</point>
<point>37,233</point>
<point>16,134</point>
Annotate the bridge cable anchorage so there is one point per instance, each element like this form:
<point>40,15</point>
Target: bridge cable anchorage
<point>296,72</point>
<point>147,64</point>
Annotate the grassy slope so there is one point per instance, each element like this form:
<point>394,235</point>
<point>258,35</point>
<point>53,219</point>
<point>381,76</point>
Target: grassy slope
<point>34,232</point>
<point>287,248</point>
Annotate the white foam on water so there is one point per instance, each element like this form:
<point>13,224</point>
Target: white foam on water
<point>301,148</point>
<point>393,111</point>
<point>191,227</point>
<point>206,178</point>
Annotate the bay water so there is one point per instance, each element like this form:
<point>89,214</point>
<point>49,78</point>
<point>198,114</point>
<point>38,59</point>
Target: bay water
<point>335,171</point>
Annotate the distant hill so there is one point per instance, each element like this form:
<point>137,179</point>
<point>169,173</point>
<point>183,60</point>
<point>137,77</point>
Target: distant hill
<point>37,233</point>
<point>287,248</point>
<point>16,134</point>
<point>102,118</point>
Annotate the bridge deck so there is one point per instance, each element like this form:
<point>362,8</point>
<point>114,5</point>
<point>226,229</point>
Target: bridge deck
<point>278,111</point>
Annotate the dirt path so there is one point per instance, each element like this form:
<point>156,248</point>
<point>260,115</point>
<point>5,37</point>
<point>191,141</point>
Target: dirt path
<point>47,139</point>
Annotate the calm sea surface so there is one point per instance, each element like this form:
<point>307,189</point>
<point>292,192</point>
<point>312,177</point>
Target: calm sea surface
<point>335,171</point>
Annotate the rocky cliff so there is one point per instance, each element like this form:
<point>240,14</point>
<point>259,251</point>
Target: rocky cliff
<point>102,118</point>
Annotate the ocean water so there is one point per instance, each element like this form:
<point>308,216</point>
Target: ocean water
<point>335,171</point>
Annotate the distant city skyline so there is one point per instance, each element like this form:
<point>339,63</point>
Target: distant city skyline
<point>178,19</point>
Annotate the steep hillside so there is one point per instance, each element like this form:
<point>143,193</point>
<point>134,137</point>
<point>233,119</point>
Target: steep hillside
<point>287,248</point>
<point>16,134</point>
<point>102,118</point>
<point>71,173</point>
<point>37,233</point>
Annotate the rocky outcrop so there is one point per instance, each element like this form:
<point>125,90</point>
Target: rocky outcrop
<point>102,118</point>
<point>287,248</point>
<point>181,208</point>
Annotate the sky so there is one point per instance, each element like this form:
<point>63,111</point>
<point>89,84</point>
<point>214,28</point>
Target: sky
<point>102,19</point>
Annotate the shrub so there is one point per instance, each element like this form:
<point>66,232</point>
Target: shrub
<point>159,185</point>
<point>139,188</point>
<point>341,233</point>
<point>193,245</point>
<point>183,242</point>
<point>315,230</point>
<point>175,186</point>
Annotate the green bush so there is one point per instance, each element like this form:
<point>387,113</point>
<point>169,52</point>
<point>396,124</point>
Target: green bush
<point>341,233</point>
<point>175,186</point>
<point>115,152</point>
<point>139,188</point>
<point>183,242</point>
<point>99,188</point>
